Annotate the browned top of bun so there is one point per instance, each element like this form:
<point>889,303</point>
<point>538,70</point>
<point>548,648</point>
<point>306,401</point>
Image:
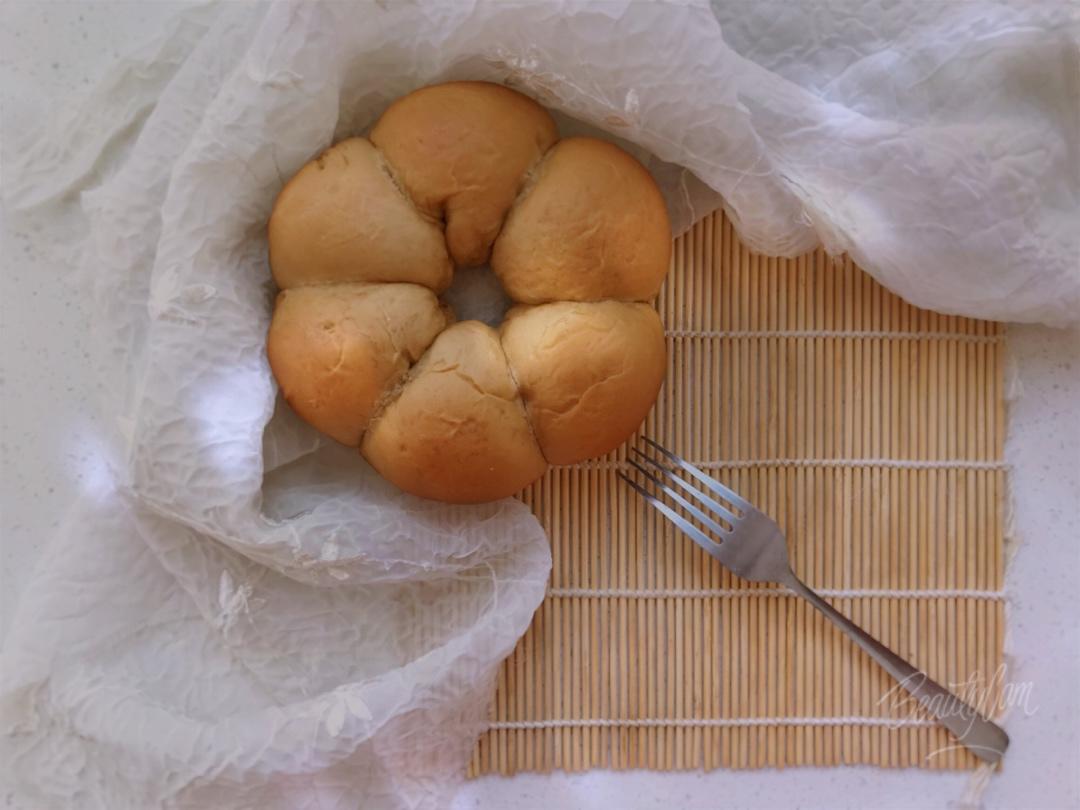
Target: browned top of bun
<point>461,150</point>
<point>458,431</point>
<point>336,349</point>
<point>341,218</point>
<point>588,372</point>
<point>591,225</point>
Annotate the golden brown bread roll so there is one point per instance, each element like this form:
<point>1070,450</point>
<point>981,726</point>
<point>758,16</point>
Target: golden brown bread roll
<point>457,431</point>
<point>591,225</point>
<point>341,218</point>
<point>335,350</point>
<point>462,413</point>
<point>462,151</point>
<point>588,372</point>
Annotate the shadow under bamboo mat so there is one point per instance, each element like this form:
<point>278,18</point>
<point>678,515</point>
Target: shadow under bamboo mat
<point>873,432</point>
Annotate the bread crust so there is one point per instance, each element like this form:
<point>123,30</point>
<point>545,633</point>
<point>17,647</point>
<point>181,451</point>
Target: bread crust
<point>364,238</point>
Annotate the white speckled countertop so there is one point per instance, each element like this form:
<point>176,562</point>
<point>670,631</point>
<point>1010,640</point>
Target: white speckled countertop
<point>49,52</point>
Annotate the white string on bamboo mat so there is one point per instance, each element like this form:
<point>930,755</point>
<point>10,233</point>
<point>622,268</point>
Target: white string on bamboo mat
<point>712,722</point>
<point>889,463</point>
<point>863,334</point>
<point>737,593</point>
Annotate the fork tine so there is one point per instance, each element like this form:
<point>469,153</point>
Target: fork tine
<point>717,507</point>
<point>717,488</point>
<point>689,528</point>
<point>679,499</point>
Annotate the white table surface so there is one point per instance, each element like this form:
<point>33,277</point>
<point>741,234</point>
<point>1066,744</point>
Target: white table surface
<point>52,51</point>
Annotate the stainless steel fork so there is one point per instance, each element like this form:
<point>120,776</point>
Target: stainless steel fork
<point>751,546</point>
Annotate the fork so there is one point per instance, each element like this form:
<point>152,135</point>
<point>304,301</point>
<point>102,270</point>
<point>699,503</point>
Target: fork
<point>751,546</point>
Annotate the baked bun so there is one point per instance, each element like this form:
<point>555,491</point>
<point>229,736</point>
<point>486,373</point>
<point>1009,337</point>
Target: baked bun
<point>366,235</point>
<point>462,151</point>
<point>342,218</point>
<point>588,372</point>
<point>591,225</point>
<point>458,431</point>
<point>335,350</point>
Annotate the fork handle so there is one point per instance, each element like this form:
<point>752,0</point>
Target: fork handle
<point>983,738</point>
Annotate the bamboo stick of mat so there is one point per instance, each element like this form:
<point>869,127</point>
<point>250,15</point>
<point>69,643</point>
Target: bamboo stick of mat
<point>873,432</point>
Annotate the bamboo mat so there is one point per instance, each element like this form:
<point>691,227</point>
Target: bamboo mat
<point>873,433</point>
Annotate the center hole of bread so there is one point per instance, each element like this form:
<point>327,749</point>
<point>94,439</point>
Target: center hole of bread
<point>476,294</point>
